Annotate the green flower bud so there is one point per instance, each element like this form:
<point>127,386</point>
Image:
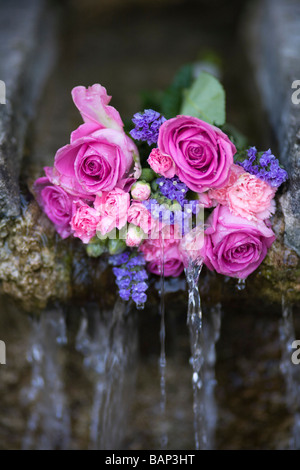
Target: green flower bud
<point>148,175</point>
<point>95,249</point>
<point>115,247</point>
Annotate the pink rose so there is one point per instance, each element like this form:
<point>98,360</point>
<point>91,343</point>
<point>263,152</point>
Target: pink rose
<point>202,153</point>
<point>169,248</point>
<point>173,265</point>
<point>135,236</point>
<point>84,221</point>
<point>112,207</point>
<point>56,204</point>
<point>161,164</point>
<point>191,245</point>
<point>138,215</point>
<point>92,103</point>
<point>250,197</point>
<point>220,195</point>
<point>235,246</point>
<point>140,191</point>
<point>97,162</point>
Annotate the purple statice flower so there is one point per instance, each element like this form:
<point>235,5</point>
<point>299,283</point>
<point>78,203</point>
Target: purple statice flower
<point>139,298</point>
<point>265,166</point>
<point>131,277</point>
<point>124,294</point>
<point>267,158</point>
<point>251,154</point>
<point>120,272</point>
<point>159,211</point>
<point>174,189</point>
<point>140,275</point>
<point>137,260</point>
<point>117,260</point>
<point>147,126</point>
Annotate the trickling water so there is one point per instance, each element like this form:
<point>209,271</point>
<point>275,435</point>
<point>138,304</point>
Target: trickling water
<point>212,329</point>
<point>107,341</point>
<point>194,321</point>
<point>290,371</point>
<point>162,358</point>
<point>48,426</point>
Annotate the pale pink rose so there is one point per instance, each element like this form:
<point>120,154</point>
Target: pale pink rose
<point>140,216</point>
<point>191,245</point>
<point>140,191</point>
<point>135,236</point>
<point>93,105</point>
<point>170,253</point>
<point>251,198</point>
<point>168,234</point>
<point>220,195</point>
<point>84,221</point>
<point>112,207</point>
<point>161,163</point>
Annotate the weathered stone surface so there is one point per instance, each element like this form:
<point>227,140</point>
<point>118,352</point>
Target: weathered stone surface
<point>27,50</point>
<point>274,45</point>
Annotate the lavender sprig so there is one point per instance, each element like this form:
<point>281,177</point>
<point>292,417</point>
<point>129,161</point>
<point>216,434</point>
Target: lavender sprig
<point>147,126</point>
<point>265,166</point>
<point>131,277</point>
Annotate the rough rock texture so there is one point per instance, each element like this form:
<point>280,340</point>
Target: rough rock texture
<point>274,45</point>
<point>27,49</point>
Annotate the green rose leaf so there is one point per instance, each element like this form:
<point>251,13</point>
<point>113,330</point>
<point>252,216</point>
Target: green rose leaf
<point>205,100</point>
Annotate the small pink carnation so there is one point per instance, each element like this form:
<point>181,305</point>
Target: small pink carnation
<point>112,207</point>
<point>84,221</point>
<point>251,198</point>
<point>138,215</point>
<point>161,163</point>
<point>220,195</point>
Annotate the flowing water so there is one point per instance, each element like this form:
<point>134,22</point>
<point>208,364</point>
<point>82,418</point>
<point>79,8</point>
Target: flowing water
<point>108,346</point>
<point>162,357</point>
<point>195,324</point>
<point>48,425</point>
<point>212,330</point>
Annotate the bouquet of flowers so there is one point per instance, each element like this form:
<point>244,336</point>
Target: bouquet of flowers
<point>195,195</point>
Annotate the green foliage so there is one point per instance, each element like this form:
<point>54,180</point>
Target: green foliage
<point>151,99</point>
<point>205,100</point>
<point>239,139</point>
<point>173,96</point>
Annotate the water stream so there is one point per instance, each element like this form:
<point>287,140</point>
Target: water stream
<point>107,341</point>
<point>212,330</point>
<point>162,358</point>
<point>48,425</point>
<point>195,324</point>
